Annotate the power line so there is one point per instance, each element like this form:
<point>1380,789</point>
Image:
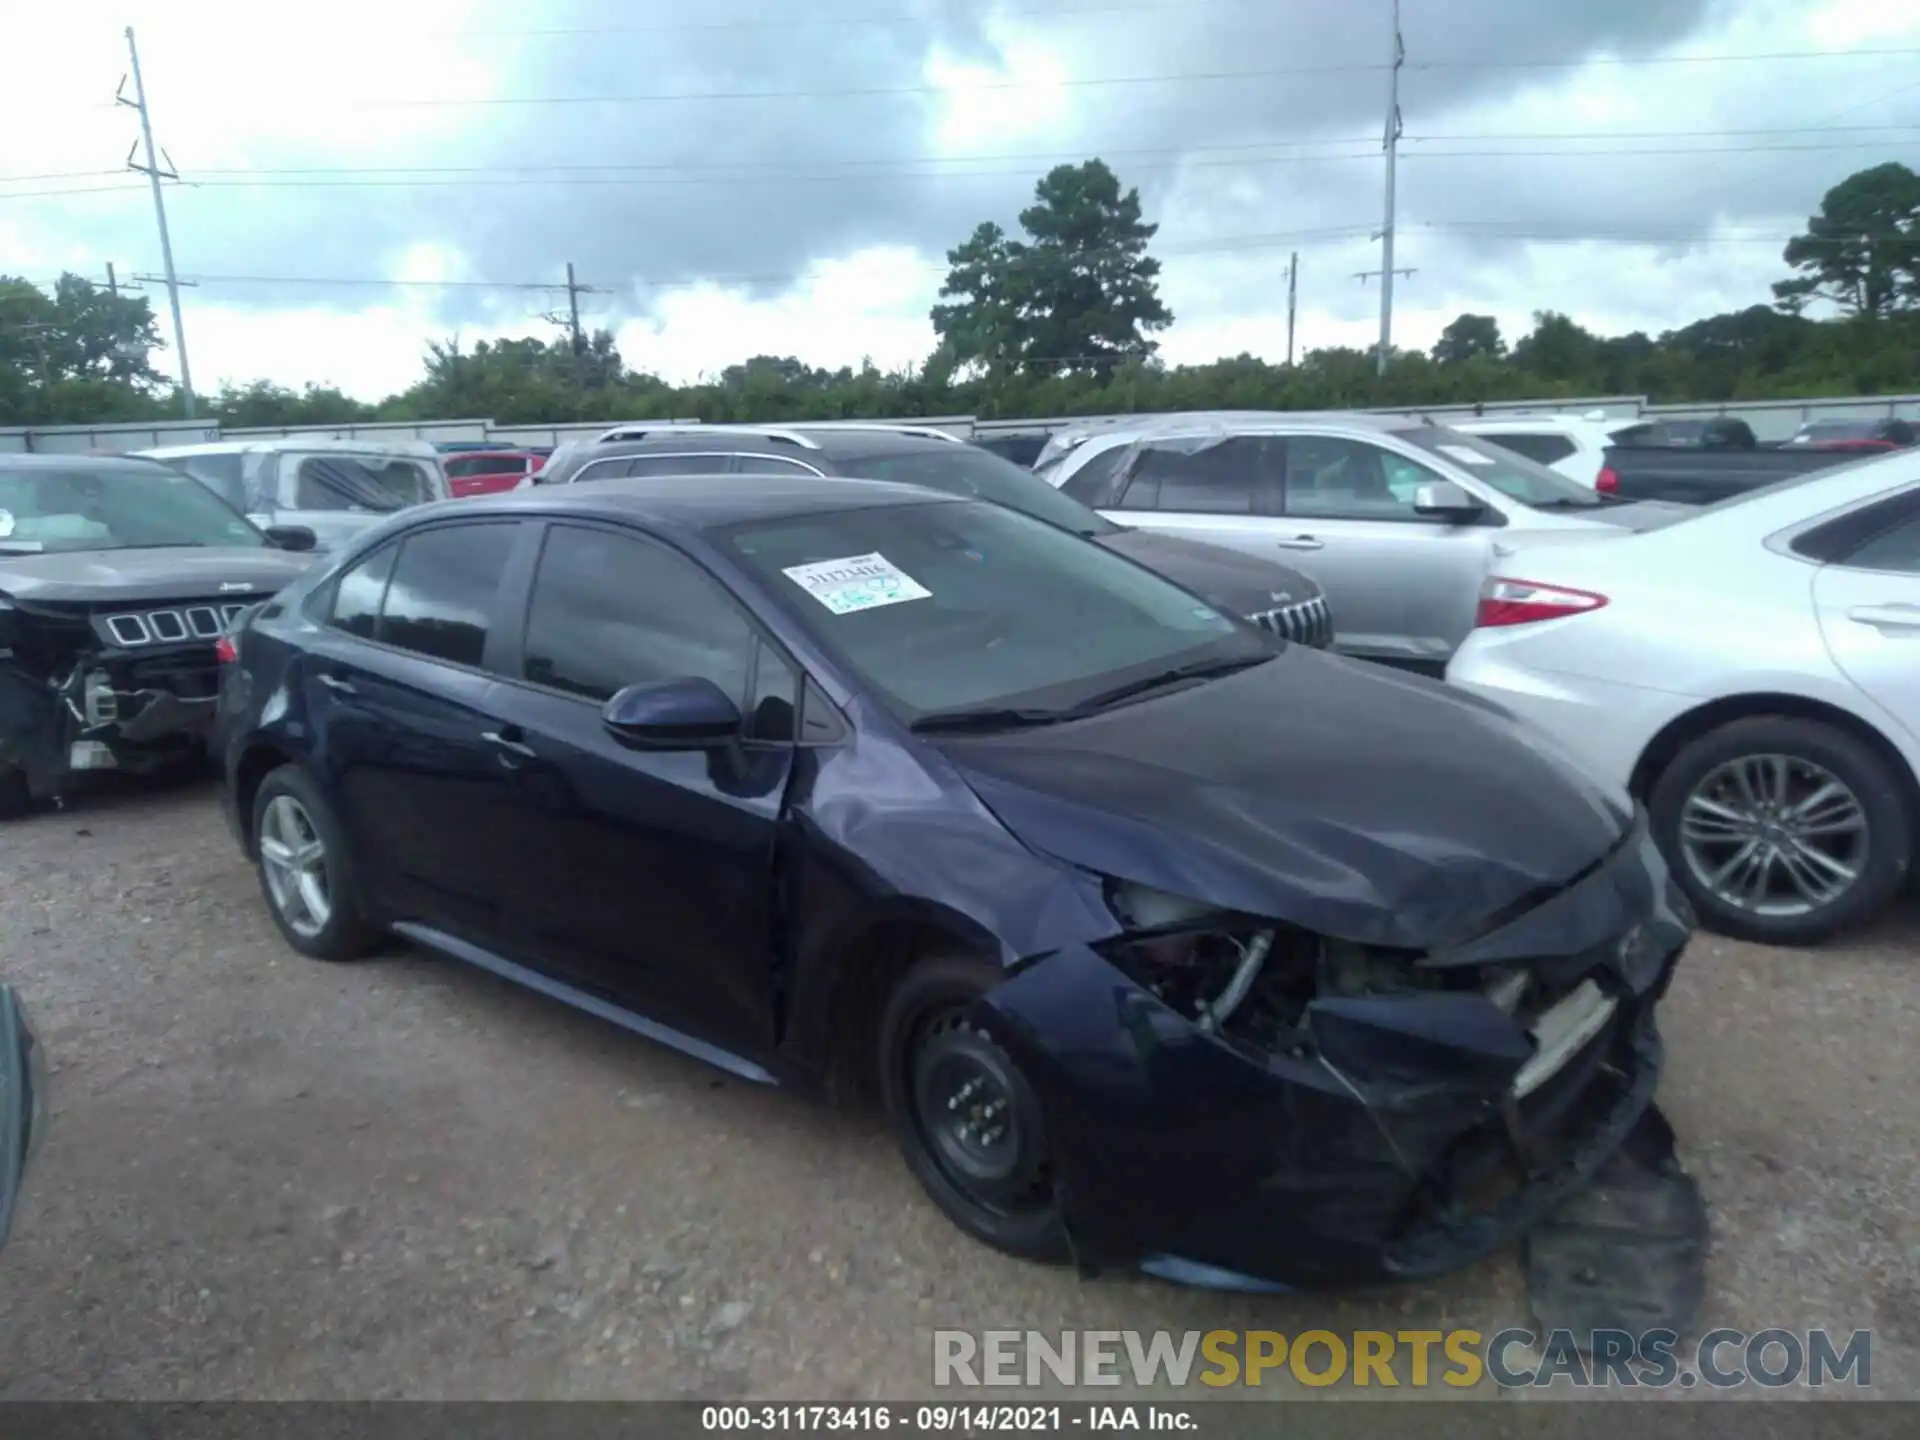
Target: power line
<point>771,177</point>
<point>1091,81</point>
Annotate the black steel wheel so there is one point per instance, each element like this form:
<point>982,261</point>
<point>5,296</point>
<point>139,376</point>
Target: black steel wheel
<point>968,1123</point>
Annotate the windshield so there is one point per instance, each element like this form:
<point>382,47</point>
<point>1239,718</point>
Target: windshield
<point>944,606</point>
<point>83,509</point>
<point>978,474</point>
<point>1512,475</point>
<point>361,482</point>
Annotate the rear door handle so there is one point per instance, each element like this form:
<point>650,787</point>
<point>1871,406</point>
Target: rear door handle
<point>510,745</point>
<point>1301,542</point>
<point>1887,617</point>
<point>337,685</point>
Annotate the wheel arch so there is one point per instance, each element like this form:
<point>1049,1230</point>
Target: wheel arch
<point>1702,720</point>
<point>871,962</point>
<point>259,760</point>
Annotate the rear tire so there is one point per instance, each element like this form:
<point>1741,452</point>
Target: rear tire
<point>306,869</point>
<point>1763,820</point>
<point>968,1123</point>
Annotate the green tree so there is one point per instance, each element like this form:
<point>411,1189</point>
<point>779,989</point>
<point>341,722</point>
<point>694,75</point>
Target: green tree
<point>262,403</point>
<point>79,348</point>
<point>1861,253</point>
<point>1469,337</point>
<point>1080,295</point>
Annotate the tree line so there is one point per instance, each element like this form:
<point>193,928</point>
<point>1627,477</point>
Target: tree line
<point>1059,320</point>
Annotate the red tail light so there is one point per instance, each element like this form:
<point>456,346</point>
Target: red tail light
<point>225,651</point>
<point>1506,601</point>
<point>1607,482</point>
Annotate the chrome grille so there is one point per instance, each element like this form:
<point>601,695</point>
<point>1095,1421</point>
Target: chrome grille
<point>1308,623</point>
<point>172,625</point>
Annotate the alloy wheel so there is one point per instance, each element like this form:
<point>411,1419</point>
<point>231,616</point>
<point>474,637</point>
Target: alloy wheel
<point>1774,835</point>
<point>295,861</point>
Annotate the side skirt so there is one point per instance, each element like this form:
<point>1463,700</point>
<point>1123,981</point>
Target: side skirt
<point>566,994</point>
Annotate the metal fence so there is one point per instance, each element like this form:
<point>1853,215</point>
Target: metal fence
<point>1770,419</point>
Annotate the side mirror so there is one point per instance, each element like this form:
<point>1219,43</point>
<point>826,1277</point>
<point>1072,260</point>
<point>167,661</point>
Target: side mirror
<point>1448,501</point>
<point>23,1102</point>
<point>297,538</point>
<point>689,714</point>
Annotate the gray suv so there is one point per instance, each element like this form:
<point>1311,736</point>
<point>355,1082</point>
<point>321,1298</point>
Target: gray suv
<point>1273,596</point>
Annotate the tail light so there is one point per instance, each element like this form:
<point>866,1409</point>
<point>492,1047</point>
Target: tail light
<point>226,650</point>
<point>1607,482</point>
<point>1506,601</point>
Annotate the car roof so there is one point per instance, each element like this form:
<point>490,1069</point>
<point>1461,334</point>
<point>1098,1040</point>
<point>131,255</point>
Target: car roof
<point>694,502</point>
<point>43,462</point>
<point>412,449</point>
<point>1263,423</point>
<point>832,440</point>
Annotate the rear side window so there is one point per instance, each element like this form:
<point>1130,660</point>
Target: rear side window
<point>1542,449</point>
<point>1860,537</point>
<point>360,592</point>
<point>1213,477</point>
<point>679,465</point>
<point>440,598</point>
<point>770,465</point>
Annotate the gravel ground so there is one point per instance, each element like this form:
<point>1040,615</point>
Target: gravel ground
<point>270,1178</point>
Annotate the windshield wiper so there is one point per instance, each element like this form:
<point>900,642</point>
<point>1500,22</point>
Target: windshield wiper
<point>1193,670</point>
<point>984,717</point>
<point>1567,502</point>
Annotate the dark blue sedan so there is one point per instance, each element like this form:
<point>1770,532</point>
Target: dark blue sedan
<point>1163,942</point>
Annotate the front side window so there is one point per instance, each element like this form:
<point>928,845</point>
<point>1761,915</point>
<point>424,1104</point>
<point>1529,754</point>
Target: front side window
<point>960,604</point>
<point>611,610</point>
<point>1330,477</point>
<point>440,599</point>
<point>113,508</point>
<point>360,482</point>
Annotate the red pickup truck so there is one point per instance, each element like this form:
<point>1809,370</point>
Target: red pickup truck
<point>489,472</point>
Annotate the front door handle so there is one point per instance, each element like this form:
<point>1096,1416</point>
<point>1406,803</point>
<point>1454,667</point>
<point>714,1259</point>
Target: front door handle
<point>1895,616</point>
<point>337,685</point>
<point>1301,542</point>
<point>510,745</point>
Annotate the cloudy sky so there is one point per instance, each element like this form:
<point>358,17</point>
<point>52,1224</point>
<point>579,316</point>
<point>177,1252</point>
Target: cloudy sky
<point>733,179</point>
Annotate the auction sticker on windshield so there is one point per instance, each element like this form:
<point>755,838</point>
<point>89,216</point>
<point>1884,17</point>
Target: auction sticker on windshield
<point>859,582</point>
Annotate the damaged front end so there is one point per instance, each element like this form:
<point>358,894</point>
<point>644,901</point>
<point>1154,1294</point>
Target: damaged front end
<point>1247,1104</point>
<point>89,687</point>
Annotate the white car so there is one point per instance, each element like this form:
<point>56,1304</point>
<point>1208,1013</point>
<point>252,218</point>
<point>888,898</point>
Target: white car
<point>1751,673</point>
<point>1575,445</point>
<point>336,488</point>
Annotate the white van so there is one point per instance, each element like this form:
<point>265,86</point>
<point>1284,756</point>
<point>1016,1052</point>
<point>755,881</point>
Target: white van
<point>336,488</point>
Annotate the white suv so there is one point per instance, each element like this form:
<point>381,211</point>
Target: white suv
<point>1575,445</point>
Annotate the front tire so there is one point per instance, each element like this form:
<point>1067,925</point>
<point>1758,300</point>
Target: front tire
<point>1781,830</point>
<point>306,869</point>
<point>968,1123</point>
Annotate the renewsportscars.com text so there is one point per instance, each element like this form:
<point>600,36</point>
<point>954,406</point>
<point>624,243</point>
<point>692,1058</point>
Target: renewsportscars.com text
<point>1721,1359</point>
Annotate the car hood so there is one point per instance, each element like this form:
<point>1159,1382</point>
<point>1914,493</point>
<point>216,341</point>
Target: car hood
<point>1237,583</point>
<point>115,576</point>
<point>1358,802</point>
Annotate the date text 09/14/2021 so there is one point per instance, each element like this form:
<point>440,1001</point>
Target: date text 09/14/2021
<point>944,1419</point>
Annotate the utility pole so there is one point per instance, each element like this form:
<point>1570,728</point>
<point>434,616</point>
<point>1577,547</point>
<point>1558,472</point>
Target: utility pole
<point>573,311</point>
<point>113,284</point>
<point>154,174</point>
<point>1293,289</point>
<point>1397,57</point>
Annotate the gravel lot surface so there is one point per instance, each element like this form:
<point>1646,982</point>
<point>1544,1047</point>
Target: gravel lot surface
<point>270,1178</point>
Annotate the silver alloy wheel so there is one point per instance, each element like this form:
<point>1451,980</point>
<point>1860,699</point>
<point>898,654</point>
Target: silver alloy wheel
<point>1774,835</point>
<point>295,862</point>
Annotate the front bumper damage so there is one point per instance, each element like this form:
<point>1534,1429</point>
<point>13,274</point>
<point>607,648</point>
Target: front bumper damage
<point>1393,1137</point>
<point>105,711</point>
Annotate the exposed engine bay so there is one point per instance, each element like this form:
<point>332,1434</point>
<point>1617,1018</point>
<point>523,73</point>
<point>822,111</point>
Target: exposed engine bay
<point>117,687</point>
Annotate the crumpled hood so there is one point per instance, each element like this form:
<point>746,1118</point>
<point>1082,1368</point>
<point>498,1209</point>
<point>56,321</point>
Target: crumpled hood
<point>1356,801</point>
<point>1238,583</point>
<point>116,576</point>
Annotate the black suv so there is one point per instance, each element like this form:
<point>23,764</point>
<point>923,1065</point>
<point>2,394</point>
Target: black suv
<point>1273,596</point>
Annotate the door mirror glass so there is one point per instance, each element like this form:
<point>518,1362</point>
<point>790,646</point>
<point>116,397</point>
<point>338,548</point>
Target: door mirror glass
<point>1447,500</point>
<point>689,714</point>
<point>298,538</point>
<point>23,1104</point>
